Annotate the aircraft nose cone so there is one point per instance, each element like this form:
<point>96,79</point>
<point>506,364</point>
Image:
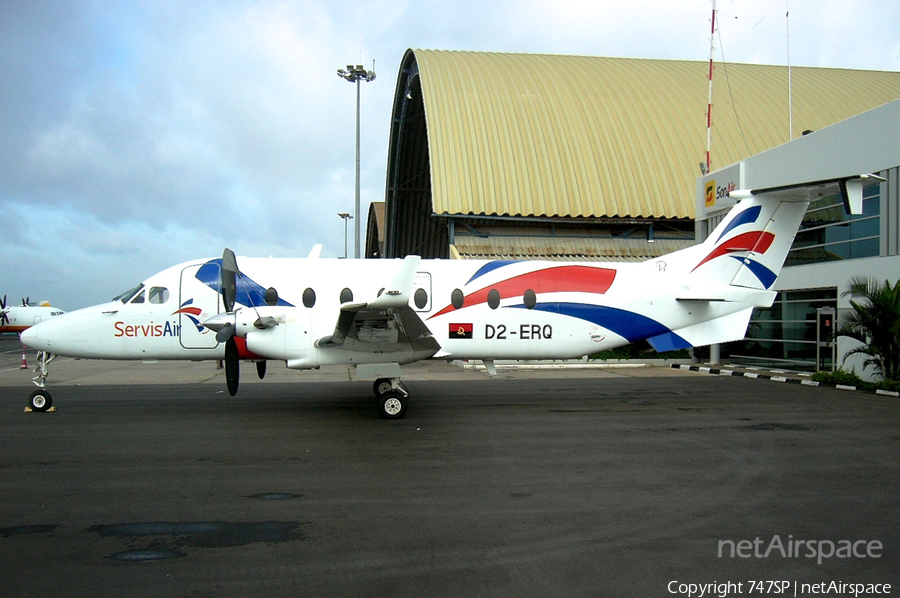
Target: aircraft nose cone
<point>30,337</point>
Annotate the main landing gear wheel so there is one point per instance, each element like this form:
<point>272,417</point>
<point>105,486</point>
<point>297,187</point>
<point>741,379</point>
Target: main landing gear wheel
<point>383,386</point>
<point>392,404</point>
<point>40,400</point>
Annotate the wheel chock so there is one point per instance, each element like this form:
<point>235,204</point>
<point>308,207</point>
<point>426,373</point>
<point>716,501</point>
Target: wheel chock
<point>52,409</point>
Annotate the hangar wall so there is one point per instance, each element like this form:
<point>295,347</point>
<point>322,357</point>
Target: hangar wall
<point>562,157</point>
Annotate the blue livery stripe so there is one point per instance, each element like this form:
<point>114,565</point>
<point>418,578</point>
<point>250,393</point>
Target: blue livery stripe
<point>765,276</point>
<point>249,293</point>
<point>748,216</point>
<point>668,342</point>
<point>490,267</point>
<point>629,325</point>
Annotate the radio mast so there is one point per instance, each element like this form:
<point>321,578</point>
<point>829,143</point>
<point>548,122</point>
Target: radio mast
<point>712,50</point>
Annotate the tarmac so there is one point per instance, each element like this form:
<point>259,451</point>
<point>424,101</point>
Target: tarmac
<point>150,480</point>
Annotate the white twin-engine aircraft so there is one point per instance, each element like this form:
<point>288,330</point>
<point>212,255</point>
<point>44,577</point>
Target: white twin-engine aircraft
<point>377,315</point>
<point>16,318</point>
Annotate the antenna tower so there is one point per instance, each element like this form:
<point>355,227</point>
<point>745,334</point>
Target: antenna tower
<point>712,50</point>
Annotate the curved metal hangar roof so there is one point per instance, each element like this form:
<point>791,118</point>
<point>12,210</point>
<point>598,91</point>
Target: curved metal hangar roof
<point>586,137</point>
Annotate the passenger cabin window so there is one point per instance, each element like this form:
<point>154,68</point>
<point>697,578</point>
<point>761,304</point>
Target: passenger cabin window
<point>530,299</point>
<point>457,299</point>
<point>420,298</point>
<point>346,296</point>
<point>309,298</point>
<point>494,299</point>
<point>159,295</point>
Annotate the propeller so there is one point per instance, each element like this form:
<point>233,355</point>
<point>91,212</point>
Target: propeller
<point>229,276</point>
<point>4,319</point>
<point>232,366</point>
<point>225,324</point>
<point>228,285</point>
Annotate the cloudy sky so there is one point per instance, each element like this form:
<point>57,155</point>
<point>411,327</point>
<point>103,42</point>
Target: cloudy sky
<point>137,135</point>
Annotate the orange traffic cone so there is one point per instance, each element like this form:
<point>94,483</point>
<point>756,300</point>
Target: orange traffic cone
<point>24,363</point>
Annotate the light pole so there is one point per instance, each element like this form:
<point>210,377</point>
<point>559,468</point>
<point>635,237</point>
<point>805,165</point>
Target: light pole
<point>355,74</point>
<point>345,216</point>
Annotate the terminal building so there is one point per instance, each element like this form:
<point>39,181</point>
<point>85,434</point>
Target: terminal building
<point>515,156</point>
<point>831,246</point>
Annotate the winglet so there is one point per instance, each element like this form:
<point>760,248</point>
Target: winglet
<point>852,191</point>
<point>399,291</point>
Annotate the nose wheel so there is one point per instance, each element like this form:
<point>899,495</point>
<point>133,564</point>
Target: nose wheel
<point>40,400</point>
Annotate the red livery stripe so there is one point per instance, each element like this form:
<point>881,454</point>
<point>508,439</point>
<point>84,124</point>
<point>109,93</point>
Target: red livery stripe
<point>562,279</point>
<point>755,241</point>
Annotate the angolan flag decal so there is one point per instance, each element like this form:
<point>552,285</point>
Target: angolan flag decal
<point>460,331</point>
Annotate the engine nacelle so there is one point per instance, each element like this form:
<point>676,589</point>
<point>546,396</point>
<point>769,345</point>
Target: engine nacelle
<point>280,336</point>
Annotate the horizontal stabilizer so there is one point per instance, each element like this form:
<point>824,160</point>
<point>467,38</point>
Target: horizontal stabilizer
<point>849,187</point>
<point>726,293</point>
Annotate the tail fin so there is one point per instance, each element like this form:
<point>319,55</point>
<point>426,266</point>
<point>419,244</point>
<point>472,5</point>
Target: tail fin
<point>749,247</point>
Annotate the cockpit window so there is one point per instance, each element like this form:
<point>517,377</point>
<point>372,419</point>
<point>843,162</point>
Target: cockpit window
<point>159,295</point>
<point>127,295</point>
<point>139,298</point>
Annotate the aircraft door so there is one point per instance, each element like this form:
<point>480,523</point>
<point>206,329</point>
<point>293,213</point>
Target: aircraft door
<point>195,305</point>
<point>422,292</point>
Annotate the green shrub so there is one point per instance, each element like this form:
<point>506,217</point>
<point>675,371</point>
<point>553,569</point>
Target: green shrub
<point>838,377</point>
<point>640,350</point>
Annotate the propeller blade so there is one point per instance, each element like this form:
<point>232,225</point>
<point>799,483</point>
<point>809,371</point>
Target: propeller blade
<point>3,303</point>
<point>229,279</point>
<point>225,333</point>
<point>232,366</point>
<point>261,369</point>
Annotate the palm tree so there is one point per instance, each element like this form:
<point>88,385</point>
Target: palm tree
<point>874,321</point>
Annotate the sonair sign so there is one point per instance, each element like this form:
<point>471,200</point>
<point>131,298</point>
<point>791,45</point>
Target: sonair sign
<point>714,189</point>
<point>715,193</point>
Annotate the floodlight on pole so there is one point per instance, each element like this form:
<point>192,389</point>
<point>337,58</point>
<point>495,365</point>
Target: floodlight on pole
<point>355,74</point>
<point>345,216</point>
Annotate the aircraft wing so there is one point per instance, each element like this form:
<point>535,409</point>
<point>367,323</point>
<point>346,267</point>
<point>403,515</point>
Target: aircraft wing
<point>385,324</point>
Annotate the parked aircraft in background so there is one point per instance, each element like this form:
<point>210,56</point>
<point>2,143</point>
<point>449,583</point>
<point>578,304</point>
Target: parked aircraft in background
<point>377,315</point>
<point>17,318</point>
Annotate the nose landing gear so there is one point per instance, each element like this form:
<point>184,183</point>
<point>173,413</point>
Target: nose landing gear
<point>40,400</point>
